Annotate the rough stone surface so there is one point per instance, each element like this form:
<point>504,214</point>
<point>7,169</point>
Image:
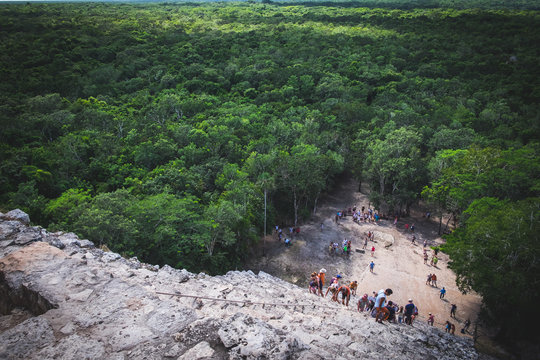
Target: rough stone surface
<point>66,299</point>
<point>18,215</point>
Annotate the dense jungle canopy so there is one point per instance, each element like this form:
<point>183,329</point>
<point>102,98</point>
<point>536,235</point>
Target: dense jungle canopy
<point>157,129</point>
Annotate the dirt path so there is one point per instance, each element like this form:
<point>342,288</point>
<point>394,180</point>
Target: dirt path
<point>399,266</point>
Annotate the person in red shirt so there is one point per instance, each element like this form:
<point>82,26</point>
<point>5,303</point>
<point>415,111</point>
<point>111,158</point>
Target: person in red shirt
<point>345,294</point>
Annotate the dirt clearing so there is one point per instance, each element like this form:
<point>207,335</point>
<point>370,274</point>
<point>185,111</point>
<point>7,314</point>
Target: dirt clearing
<point>399,264</point>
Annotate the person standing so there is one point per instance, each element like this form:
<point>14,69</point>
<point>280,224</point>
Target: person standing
<point>372,250</point>
<point>313,284</point>
<point>466,326</point>
<point>322,274</point>
<point>371,266</point>
<point>447,326</point>
<point>431,319</point>
<point>409,312</point>
<point>453,311</point>
<point>434,280</point>
<point>443,292</point>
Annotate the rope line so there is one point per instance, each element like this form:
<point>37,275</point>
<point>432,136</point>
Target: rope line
<point>352,308</point>
<point>249,302</point>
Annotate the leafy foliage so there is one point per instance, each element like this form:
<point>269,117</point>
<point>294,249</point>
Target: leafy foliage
<point>496,253</point>
<point>178,132</point>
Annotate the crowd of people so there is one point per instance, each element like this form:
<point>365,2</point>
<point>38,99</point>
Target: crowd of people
<point>376,304</point>
<point>287,240</point>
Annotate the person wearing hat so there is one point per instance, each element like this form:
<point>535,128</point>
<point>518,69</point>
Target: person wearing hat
<point>431,319</point>
<point>409,312</point>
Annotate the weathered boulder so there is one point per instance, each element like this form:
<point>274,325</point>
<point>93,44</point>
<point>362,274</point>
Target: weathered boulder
<point>17,215</point>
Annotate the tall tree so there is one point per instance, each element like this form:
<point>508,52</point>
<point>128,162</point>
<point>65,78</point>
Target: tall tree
<point>496,253</point>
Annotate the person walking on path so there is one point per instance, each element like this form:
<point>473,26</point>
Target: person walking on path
<point>466,326</point>
<point>428,281</point>
<point>372,250</point>
<point>371,266</point>
<point>425,257</point>
<point>443,292</point>
<point>434,280</point>
<point>453,311</point>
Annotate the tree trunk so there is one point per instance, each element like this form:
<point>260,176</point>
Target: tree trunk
<point>315,205</point>
<point>295,204</point>
<point>264,232</point>
<point>446,226</point>
<point>440,223</point>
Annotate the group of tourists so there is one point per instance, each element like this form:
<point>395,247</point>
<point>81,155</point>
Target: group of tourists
<point>431,280</point>
<point>366,216</point>
<point>287,240</point>
<point>377,304</point>
<point>334,247</point>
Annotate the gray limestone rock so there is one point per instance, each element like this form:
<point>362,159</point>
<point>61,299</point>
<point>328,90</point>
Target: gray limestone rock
<point>202,350</point>
<point>8,228</point>
<point>253,338</point>
<point>18,215</point>
<point>85,303</point>
<point>74,347</point>
<point>25,237</point>
<point>24,339</point>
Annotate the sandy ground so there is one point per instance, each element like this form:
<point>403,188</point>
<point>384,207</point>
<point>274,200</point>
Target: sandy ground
<point>399,266</point>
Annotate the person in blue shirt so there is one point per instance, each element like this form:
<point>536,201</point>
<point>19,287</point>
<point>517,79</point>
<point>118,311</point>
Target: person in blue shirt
<point>443,292</point>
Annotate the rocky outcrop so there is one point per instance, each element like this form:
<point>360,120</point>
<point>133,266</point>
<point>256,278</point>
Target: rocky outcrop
<point>63,298</point>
